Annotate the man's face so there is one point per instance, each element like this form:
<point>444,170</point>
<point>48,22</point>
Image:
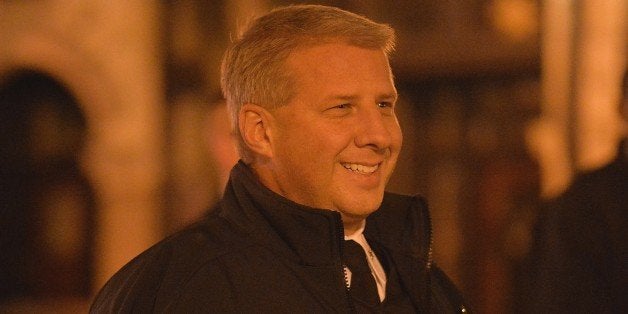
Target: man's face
<point>336,143</point>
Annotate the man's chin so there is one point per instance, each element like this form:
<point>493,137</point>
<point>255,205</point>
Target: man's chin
<point>360,206</point>
<point>359,213</point>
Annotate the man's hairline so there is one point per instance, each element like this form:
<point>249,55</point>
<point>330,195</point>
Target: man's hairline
<point>306,42</point>
<point>312,42</point>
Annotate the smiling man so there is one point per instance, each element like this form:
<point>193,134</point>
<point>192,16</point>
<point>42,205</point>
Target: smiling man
<point>335,143</point>
<point>305,224</point>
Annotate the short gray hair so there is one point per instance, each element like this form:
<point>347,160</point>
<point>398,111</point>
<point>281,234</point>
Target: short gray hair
<point>253,71</point>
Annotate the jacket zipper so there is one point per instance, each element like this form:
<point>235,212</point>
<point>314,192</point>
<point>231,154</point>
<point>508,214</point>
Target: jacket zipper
<point>341,233</point>
<point>430,237</point>
<point>430,253</point>
<point>351,305</point>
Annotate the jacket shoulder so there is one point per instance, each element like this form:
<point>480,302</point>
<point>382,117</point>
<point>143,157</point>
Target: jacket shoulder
<point>164,269</point>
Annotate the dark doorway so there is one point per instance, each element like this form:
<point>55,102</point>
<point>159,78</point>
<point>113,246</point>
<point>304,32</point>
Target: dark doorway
<point>46,202</point>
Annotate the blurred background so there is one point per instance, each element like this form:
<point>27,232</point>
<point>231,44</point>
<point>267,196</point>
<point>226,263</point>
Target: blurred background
<point>113,133</point>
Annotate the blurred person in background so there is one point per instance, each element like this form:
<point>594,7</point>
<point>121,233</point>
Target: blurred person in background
<point>580,256</point>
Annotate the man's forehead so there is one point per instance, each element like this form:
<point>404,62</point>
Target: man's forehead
<point>337,58</point>
<point>329,46</point>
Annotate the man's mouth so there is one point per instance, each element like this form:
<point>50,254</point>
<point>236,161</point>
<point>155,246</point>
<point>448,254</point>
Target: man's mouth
<point>362,169</point>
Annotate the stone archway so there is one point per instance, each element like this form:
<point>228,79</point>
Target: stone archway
<point>46,202</point>
<point>123,153</point>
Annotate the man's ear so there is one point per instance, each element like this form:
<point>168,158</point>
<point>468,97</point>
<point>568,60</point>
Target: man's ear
<point>254,124</point>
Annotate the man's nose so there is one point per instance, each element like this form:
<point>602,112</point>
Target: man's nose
<point>373,129</point>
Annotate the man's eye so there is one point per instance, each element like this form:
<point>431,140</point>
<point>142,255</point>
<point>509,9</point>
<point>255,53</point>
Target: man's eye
<point>384,104</point>
<point>338,110</point>
<point>341,106</point>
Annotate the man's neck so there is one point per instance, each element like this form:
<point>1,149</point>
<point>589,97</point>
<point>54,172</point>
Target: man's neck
<point>354,228</point>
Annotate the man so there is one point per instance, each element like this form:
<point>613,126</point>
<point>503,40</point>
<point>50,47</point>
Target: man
<point>312,99</point>
<point>579,263</point>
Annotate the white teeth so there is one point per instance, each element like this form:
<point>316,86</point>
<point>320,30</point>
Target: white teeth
<point>360,168</point>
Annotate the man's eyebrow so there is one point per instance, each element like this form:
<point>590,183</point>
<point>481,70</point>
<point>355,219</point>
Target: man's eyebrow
<point>386,96</point>
<point>342,97</point>
<point>392,96</point>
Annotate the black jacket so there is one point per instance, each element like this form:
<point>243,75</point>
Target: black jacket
<point>259,252</point>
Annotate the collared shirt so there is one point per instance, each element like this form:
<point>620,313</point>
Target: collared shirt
<point>376,267</point>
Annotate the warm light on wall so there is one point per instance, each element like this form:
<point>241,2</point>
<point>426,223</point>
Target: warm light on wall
<point>583,56</point>
<point>516,19</point>
<point>601,62</point>
<point>548,137</point>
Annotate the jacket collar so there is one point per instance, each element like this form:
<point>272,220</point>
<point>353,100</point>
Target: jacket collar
<point>307,235</point>
<point>313,236</point>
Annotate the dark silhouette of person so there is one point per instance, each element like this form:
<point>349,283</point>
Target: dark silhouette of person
<point>580,255</point>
